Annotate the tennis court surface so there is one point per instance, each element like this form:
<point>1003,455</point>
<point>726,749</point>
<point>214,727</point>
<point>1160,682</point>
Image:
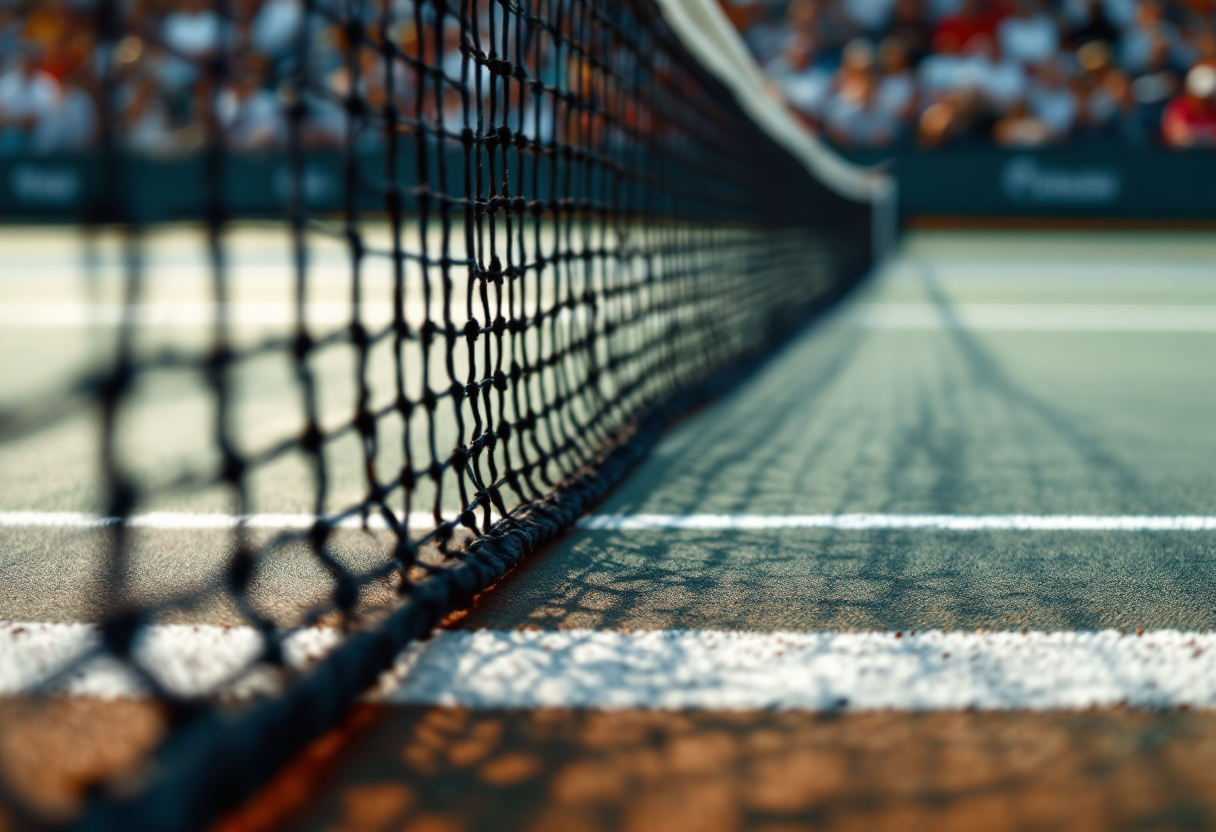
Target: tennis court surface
<point>603,463</point>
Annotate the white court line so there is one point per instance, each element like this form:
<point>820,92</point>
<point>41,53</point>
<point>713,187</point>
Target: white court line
<point>1034,317</point>
<point>198,314</point>
<point>188,520</point>
<point>632,522</point>
<point>912,316</point>
<point>866,522</point>
<point>695,669</point>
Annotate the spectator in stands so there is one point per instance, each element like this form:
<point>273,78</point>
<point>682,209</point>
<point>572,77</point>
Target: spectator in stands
<point>1088,21</point>
<point>71,126</point>
<point>27,95</point>
<point>802,83</point>
<point>1107,110</point>
<point>1021,128</point>
<point>1190,119</point>
<point>1052,101</point>
<point>251,115</point>
<point>954,31</point>
<point>275,28</point>
<point>942,73</point>
<point>11,37</point>
<point>1155,84</point>
<point>1142,43</point>
<point>1029,36</point>
<point>998,82</point>
<point>193,32</point>
<point>855,119</point>
<point>144,122</point>
<point>897,93</point>
<point>873,16</point>
<point>908,26</point>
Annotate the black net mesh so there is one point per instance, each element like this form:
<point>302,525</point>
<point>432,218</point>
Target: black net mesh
<point>555,232</point>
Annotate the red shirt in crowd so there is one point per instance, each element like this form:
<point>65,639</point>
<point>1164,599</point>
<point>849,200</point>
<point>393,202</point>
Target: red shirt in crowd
<point>954,31</point>
<point>1190,122</point>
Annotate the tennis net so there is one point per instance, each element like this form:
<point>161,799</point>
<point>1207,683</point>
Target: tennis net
<point>557,226</point>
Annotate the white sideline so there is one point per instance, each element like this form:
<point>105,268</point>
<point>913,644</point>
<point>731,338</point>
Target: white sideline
<point>671,669</point>
<point>896,522</point>
<point>630,522</point>
<point>1033,317</point>
<point>170,520</point>
<point>190,520</point>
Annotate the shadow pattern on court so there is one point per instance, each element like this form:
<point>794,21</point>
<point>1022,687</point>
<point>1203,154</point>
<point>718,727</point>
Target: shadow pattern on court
<point>452,769</point>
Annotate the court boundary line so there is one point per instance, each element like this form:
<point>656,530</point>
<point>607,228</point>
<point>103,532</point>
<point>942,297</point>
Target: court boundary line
<point>167,520</point>
<point>672,669</point>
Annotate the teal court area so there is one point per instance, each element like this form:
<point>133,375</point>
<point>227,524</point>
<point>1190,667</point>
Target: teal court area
<point>976,374</point>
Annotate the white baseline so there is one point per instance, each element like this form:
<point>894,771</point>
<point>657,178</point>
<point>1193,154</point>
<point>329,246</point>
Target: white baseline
<point>673,669</point>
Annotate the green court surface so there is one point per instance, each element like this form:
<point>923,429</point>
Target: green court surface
<point>1084,386</point>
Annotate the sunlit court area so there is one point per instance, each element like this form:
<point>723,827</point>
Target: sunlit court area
<point>570,415</point>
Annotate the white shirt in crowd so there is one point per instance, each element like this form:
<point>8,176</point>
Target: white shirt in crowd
<point>192,35</point>
<point>807,90</point>
<point>1031,40</point>
<point>897,93</point>
<point>872,15</point>
<point>862,126</point>
<point>1055,106</point>
<point>27,95</point>
<point>941,73</point>
<point>72,125</point>
<point>1136,46</point>
<point>273,32</point>
<point>1002,83</point>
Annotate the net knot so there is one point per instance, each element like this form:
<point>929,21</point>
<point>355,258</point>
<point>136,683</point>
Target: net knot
<point>365,423</point>
<point>302,345</point>
<point>312,438</point>
<point>429,400</point>
<point>233,468</point>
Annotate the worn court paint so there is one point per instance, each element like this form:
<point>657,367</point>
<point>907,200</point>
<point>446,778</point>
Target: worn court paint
<point>675,669</point>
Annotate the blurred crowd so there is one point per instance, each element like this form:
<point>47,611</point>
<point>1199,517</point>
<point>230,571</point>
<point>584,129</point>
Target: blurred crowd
<point>164,99</point>
<point>867,73</point>
<point>1020,73</point>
